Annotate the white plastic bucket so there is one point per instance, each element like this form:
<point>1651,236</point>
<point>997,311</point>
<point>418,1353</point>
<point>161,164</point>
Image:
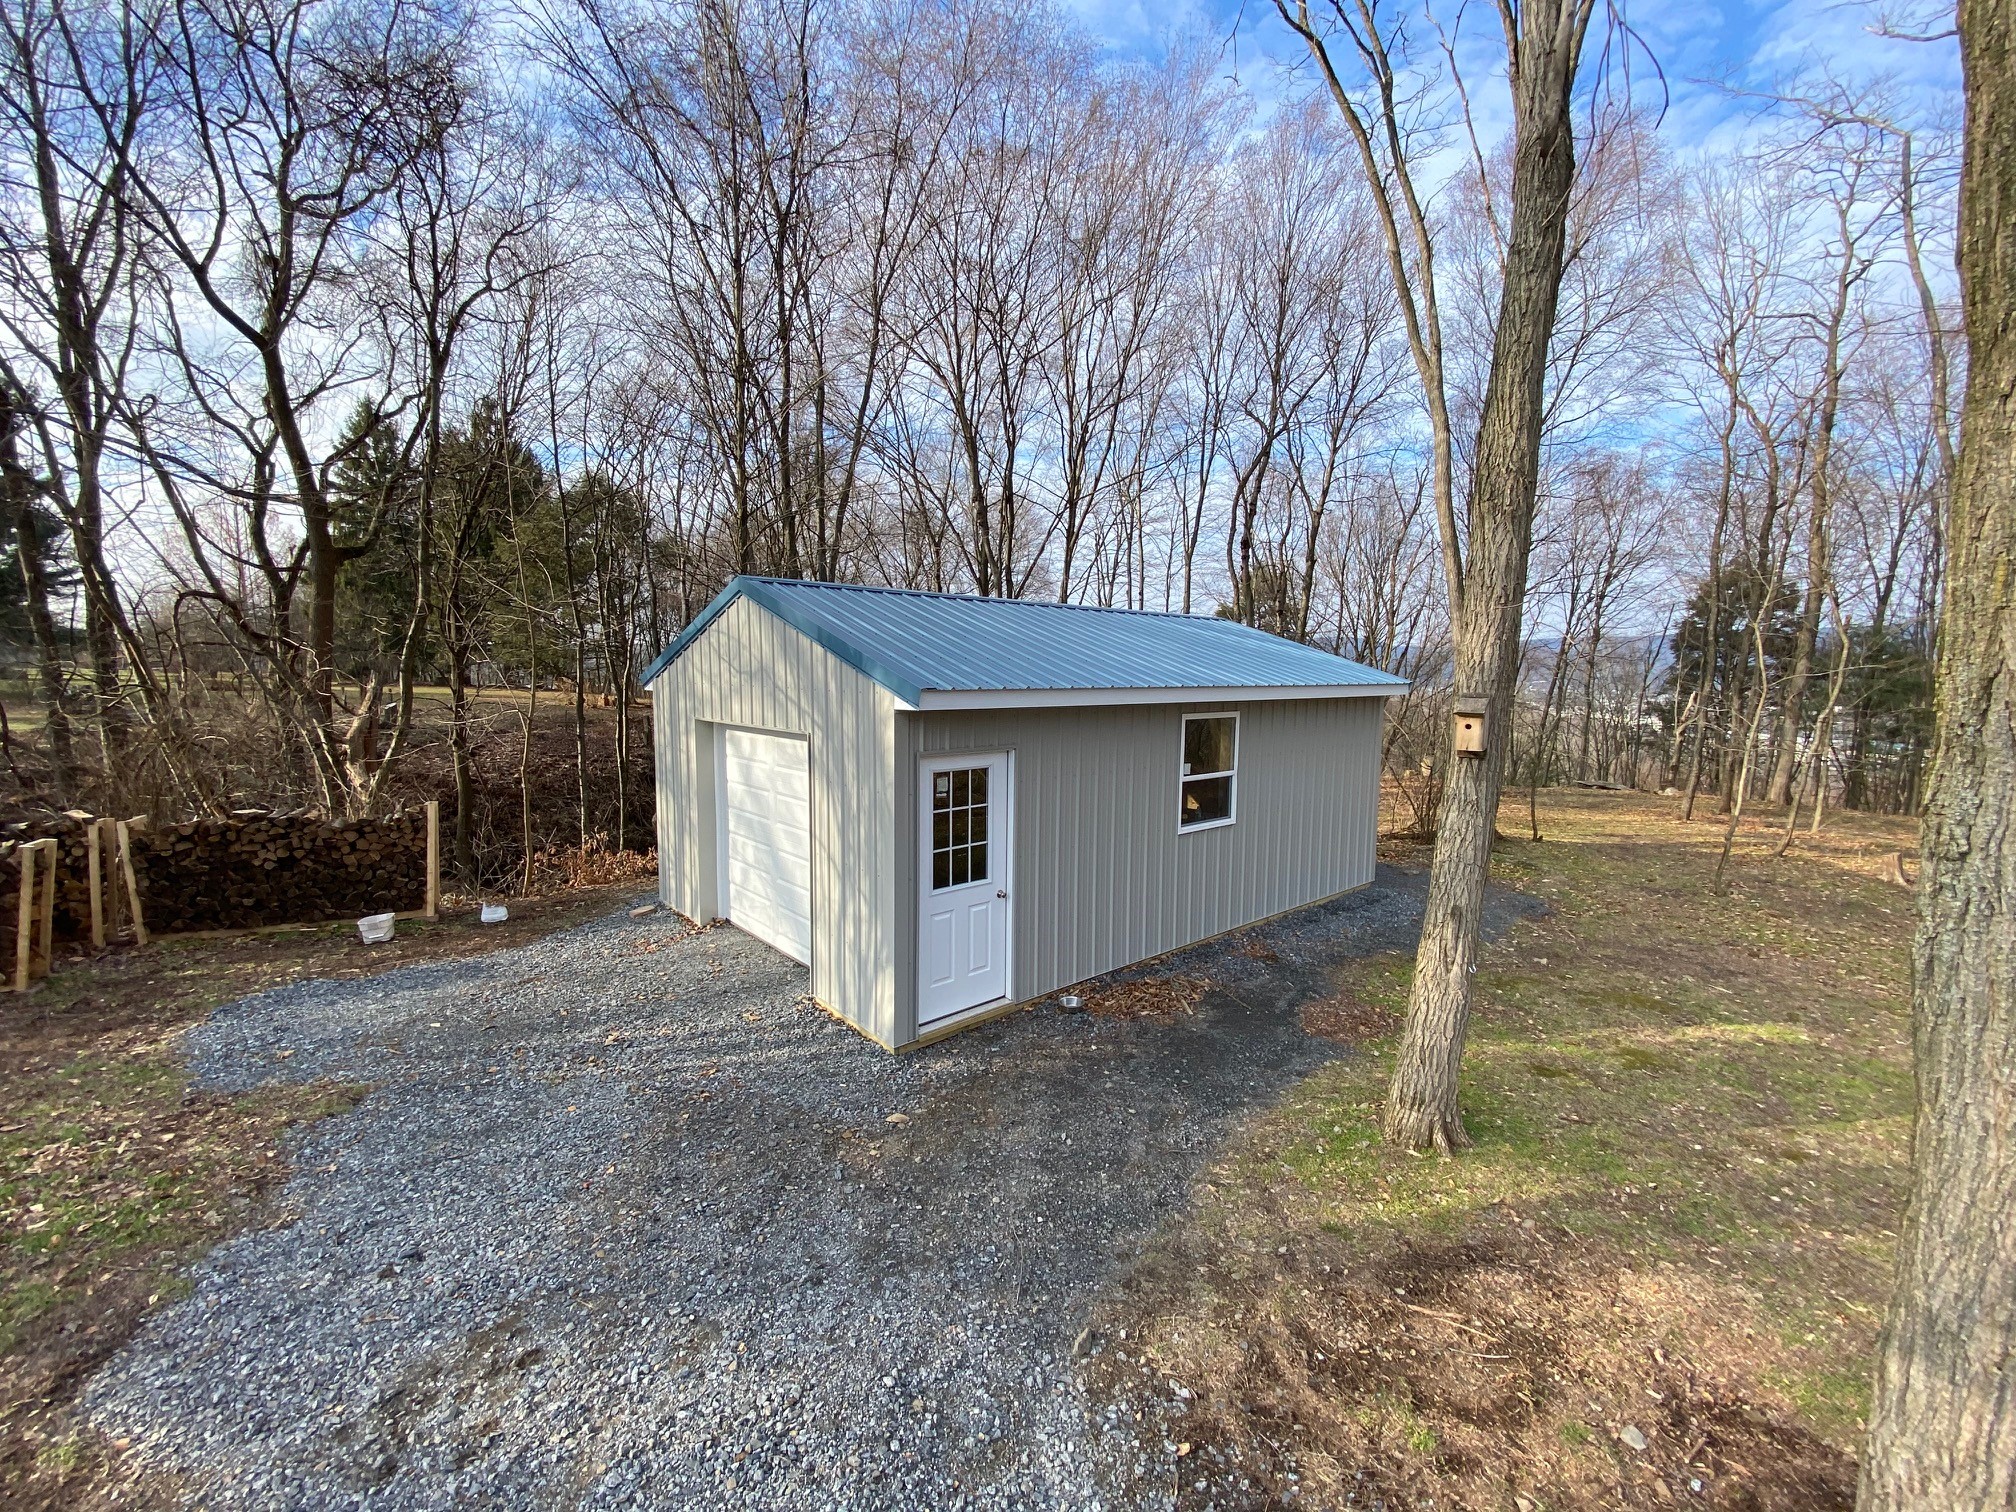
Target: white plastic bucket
<point>376,928</point>
<point>494,913</point>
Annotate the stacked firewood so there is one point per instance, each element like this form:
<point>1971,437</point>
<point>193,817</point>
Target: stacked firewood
<point>10,904</point>
<point>72,834</point>
<point>256,868</point>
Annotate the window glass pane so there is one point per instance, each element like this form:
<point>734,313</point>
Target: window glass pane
<point>959,827</point>
<point>1206,800</point>
<point>1207,745</point>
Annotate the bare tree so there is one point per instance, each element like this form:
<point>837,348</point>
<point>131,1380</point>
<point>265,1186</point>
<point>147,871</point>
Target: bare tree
<point>276,151</point>
<point>77,84</point>
<point>1849,258</point>
<point>1487,567</point>
<point>1943,1415</point>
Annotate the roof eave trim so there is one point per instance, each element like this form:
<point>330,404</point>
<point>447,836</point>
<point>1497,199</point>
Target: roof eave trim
<point>691,633</point>
<point>932,699</point>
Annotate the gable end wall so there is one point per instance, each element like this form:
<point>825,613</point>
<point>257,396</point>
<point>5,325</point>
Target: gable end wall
<point>750,669</point>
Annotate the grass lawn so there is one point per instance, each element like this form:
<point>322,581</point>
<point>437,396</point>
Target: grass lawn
<point>115,1172</point>
<point>1656,1280</point>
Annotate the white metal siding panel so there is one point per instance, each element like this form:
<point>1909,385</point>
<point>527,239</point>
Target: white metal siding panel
<point>1104,878</point>
<point>749,669</point>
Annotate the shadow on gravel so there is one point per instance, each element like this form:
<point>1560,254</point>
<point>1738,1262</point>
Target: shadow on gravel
<point>627,1222</point>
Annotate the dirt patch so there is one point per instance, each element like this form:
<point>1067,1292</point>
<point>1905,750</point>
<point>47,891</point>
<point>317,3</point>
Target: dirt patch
<point>1147,998</point>
<point>108,1193</point>
<point>1348,1017</point>
<point>1500,1370</point>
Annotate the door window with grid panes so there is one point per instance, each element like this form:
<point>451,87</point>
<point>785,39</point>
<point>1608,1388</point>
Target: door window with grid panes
<point>959,810</point>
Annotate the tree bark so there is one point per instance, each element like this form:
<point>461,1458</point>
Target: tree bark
<point>464,765</point>
<point>1943,1419</point>
<point>1421,1107</point>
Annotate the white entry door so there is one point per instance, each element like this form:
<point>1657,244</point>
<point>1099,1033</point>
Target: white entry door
<point>766,839</point>
<point>965,828</point>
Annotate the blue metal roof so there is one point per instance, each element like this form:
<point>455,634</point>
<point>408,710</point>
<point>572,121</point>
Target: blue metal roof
<point>913,642</point>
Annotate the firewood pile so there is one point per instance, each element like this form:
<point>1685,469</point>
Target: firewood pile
<point>244,872</point>
<point>254,869</point>
<point>10,899</point>
<point>72,834</point>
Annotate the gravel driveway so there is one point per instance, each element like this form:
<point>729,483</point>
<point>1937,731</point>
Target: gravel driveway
<point>624,1223</point>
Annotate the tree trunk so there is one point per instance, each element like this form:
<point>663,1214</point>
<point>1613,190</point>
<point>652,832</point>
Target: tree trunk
<point>1791,717</point>
<point>458,747</point>
<point>1818,561</point>
<point>1711,634</point>
<point>1943,1420</point>
<point>1421,1109</point>
<point>581,733</point>
<point>101,606</point>
<point>1543,739</point>
<point>48,654</point>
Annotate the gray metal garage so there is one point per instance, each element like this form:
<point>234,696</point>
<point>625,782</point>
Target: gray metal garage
<point>947,805</point>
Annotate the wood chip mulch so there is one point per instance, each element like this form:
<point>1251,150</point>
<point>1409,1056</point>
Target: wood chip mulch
<point>1151,997</point>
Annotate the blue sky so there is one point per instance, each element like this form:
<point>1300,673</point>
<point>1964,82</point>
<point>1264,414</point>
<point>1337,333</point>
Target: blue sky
<point>1705,51</point>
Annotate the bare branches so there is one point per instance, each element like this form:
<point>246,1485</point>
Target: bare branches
<point>374,349</point>
<point>1410,258</point>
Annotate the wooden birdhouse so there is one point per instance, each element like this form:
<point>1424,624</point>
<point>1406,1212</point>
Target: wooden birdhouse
<point>1471,714</point>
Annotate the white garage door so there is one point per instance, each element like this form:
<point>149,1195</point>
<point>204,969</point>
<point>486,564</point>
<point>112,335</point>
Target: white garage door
<point>767,824</point>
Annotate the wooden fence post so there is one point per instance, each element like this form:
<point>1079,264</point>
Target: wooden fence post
<point>24,929</point>
<point>46,925</point>
<point>94,863</point>
<point>107,841</point>
<point>132,882</point>
<point>433,858</point>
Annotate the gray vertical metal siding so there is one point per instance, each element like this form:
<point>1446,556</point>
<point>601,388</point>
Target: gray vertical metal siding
<point>1102,877</point>
<point>753,670</point>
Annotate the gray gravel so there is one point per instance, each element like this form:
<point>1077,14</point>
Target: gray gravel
<point>624,1223</point>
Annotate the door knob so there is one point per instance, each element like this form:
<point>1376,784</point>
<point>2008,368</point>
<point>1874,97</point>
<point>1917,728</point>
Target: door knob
<point>1001,892</point>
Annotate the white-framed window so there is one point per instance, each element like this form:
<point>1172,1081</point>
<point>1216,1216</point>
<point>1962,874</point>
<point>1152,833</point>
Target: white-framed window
<point>1209,773</point>
<point>959,812</point>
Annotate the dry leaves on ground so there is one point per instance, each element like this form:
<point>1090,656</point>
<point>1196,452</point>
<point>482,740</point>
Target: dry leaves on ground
<point>1150,997</point>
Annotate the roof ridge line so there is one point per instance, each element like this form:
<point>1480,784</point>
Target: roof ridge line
<point>978,598</point>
